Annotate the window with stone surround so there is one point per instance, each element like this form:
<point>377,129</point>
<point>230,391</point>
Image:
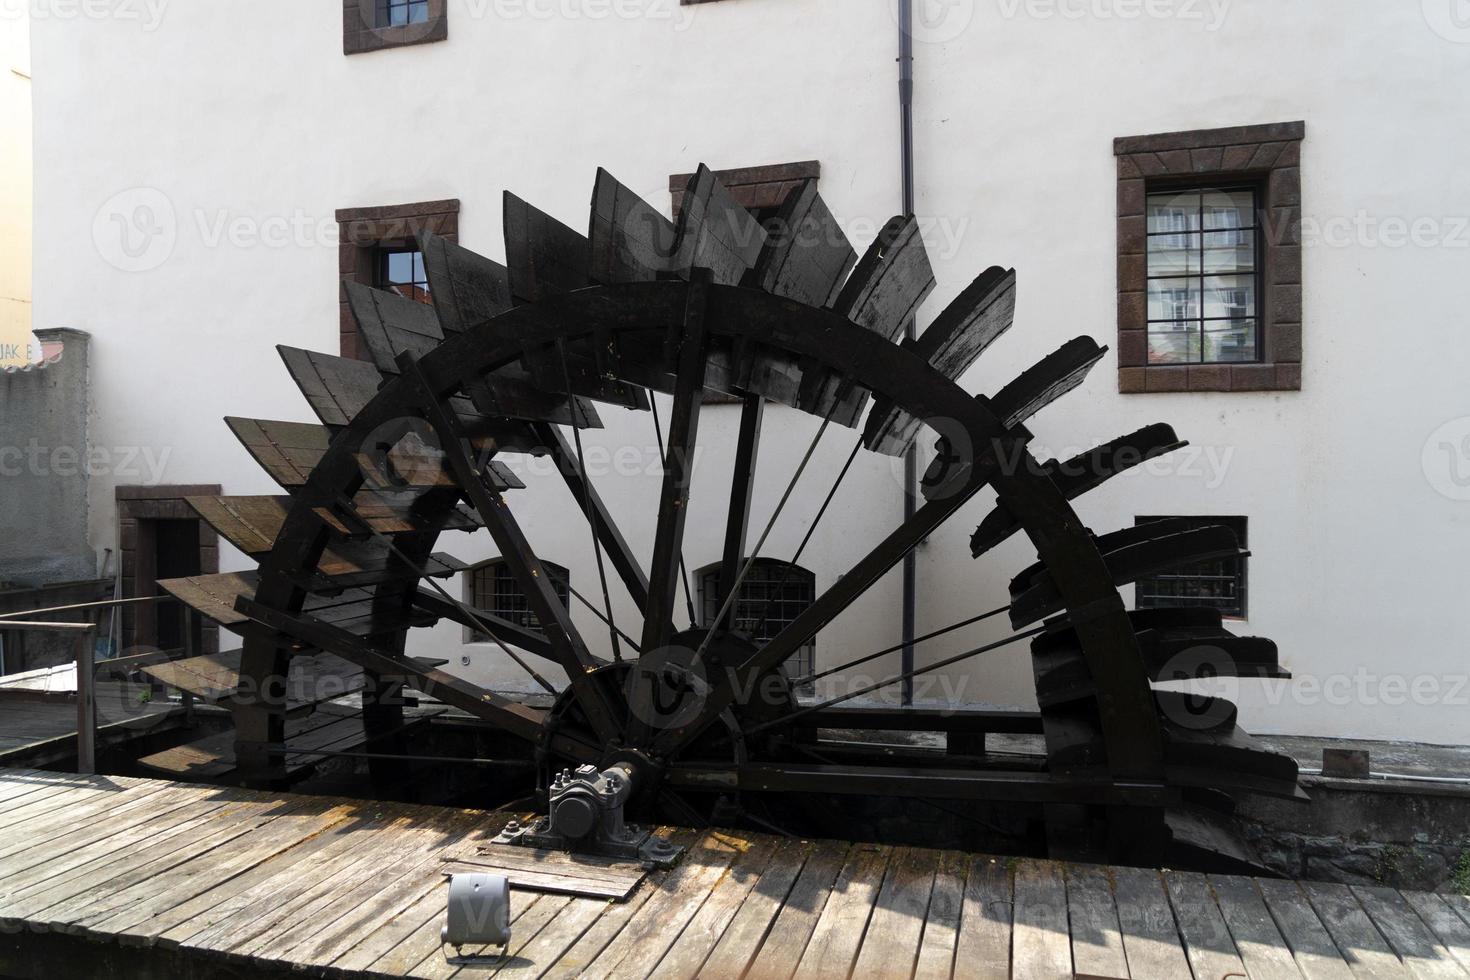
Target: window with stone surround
<point>1209,260</point>
<point>374,25</point>
<point>379,247</point>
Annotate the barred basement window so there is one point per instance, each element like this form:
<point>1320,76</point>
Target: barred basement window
<point>493,588</point>
<point>1218,584</point>
<point>771,596</point>
<point>401,271</point>
<point>1203,276</point>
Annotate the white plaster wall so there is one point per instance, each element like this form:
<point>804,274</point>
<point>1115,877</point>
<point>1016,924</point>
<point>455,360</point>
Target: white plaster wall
<point>248,114</point>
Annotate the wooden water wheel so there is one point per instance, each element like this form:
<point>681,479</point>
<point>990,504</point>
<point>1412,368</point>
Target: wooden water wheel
<point>521,358</point>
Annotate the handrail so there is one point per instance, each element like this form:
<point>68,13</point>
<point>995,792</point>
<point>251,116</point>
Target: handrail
<point>86,686</point>
<point>101,604</point>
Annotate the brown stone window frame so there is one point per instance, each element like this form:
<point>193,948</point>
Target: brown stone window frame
<point>1267,156</point>
<point>363,232</point>
<point>761,190</point>
<point>361,33</point>
<point>154,503</point>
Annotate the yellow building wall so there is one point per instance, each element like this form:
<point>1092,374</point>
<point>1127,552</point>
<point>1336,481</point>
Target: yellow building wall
<point>15,188</point>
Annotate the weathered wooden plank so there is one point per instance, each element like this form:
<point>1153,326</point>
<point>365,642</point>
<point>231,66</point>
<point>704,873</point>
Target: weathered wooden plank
<point>251,925</point>
<point>1416,945</point>
<point>801,908</point>
<point>984,944</point>
<point>1040,949</point>
<point>839,931</point>
<point>1150,935</point>
<point>390,324</point>
<point>539,956</point>
<point>889,282</point>
<point>1359,941</point>
<point>577,953</point>
<point>337,388</point>
<point>686,959</point>
<point>1439,915</point>
<point>630,241</point>
<point>638,949</point>
<point>942,921</point>
<point>100,899</point>
<point>809,256</point>
<point>890,946</point>
<point>1047,380</point>
<point>748,930</point>
<point>531,880</point>
<point>39,818</point>
<point>467,288</point>
<point>1097,942</point>
<point>413,851</point>
<point>543,257</point>
<point>1262,948</point>
<point>275,834</point>
<point>1207,940</point>
<point>363,951</point>
<point>1312,947</point>
<point>951,344</point>
<point>119,870</point>
<point>61,857</point>
<point>716,232</point>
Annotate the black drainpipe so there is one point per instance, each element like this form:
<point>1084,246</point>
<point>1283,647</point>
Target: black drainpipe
<point>910,460</point>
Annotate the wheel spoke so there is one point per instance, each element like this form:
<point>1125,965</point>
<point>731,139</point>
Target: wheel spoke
<point>618,552</point>
<point>673,507</point>
<point>566,643</point>
<point>742,484</point>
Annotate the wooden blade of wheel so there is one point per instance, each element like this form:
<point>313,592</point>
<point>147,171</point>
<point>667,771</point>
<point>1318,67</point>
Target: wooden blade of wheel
<point>543,257</point>
<point>630,241</point>
<point>951,344</point>
<point>466,287</point>
<point>1082,473</point>
<point>882,295</point>
<point>1047,380</point>
<point>805,260</point>
<point>390,324</point>
<point>808,258</point>
<point>337,388</point>
<point>1130,562</point>
<point>716,232</point>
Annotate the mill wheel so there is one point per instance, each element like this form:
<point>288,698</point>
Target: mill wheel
<point>521,358</point>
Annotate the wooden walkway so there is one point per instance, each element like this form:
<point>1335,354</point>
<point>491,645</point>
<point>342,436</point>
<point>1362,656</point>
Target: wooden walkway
<point>103,876</point>
<point>38,717</point>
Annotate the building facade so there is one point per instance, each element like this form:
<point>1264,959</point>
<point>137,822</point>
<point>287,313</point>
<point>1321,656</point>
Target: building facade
<point>1261,207</point>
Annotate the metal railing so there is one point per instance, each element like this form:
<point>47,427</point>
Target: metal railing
<point>87,665</point>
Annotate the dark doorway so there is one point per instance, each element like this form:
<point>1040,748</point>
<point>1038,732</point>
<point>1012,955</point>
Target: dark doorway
<point>166,549</point>
<point>162,537</point>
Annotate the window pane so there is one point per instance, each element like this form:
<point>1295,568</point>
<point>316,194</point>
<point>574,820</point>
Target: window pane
<point>1169,345</point>
<point>1230,251</point>
<point>1230,340</point>
<point>1229,209</point>
<point>1175,300</point>
<point>1173,255</point>
<point>1230,296</point>
<point>1174,212</point>
<point>400,267</point>
<point>419,12</point>
<point>399,15</point>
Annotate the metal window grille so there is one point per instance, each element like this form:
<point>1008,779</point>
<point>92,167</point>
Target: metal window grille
<point>1204,275</point>
<point>401,271</point>
<point>1220,584</point>
<point>494,589</point>
<point>764,596</point>
<point>400,13</point>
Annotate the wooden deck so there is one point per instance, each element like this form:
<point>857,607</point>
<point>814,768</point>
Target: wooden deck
<point>103,876</point>
<point>38,716</point>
